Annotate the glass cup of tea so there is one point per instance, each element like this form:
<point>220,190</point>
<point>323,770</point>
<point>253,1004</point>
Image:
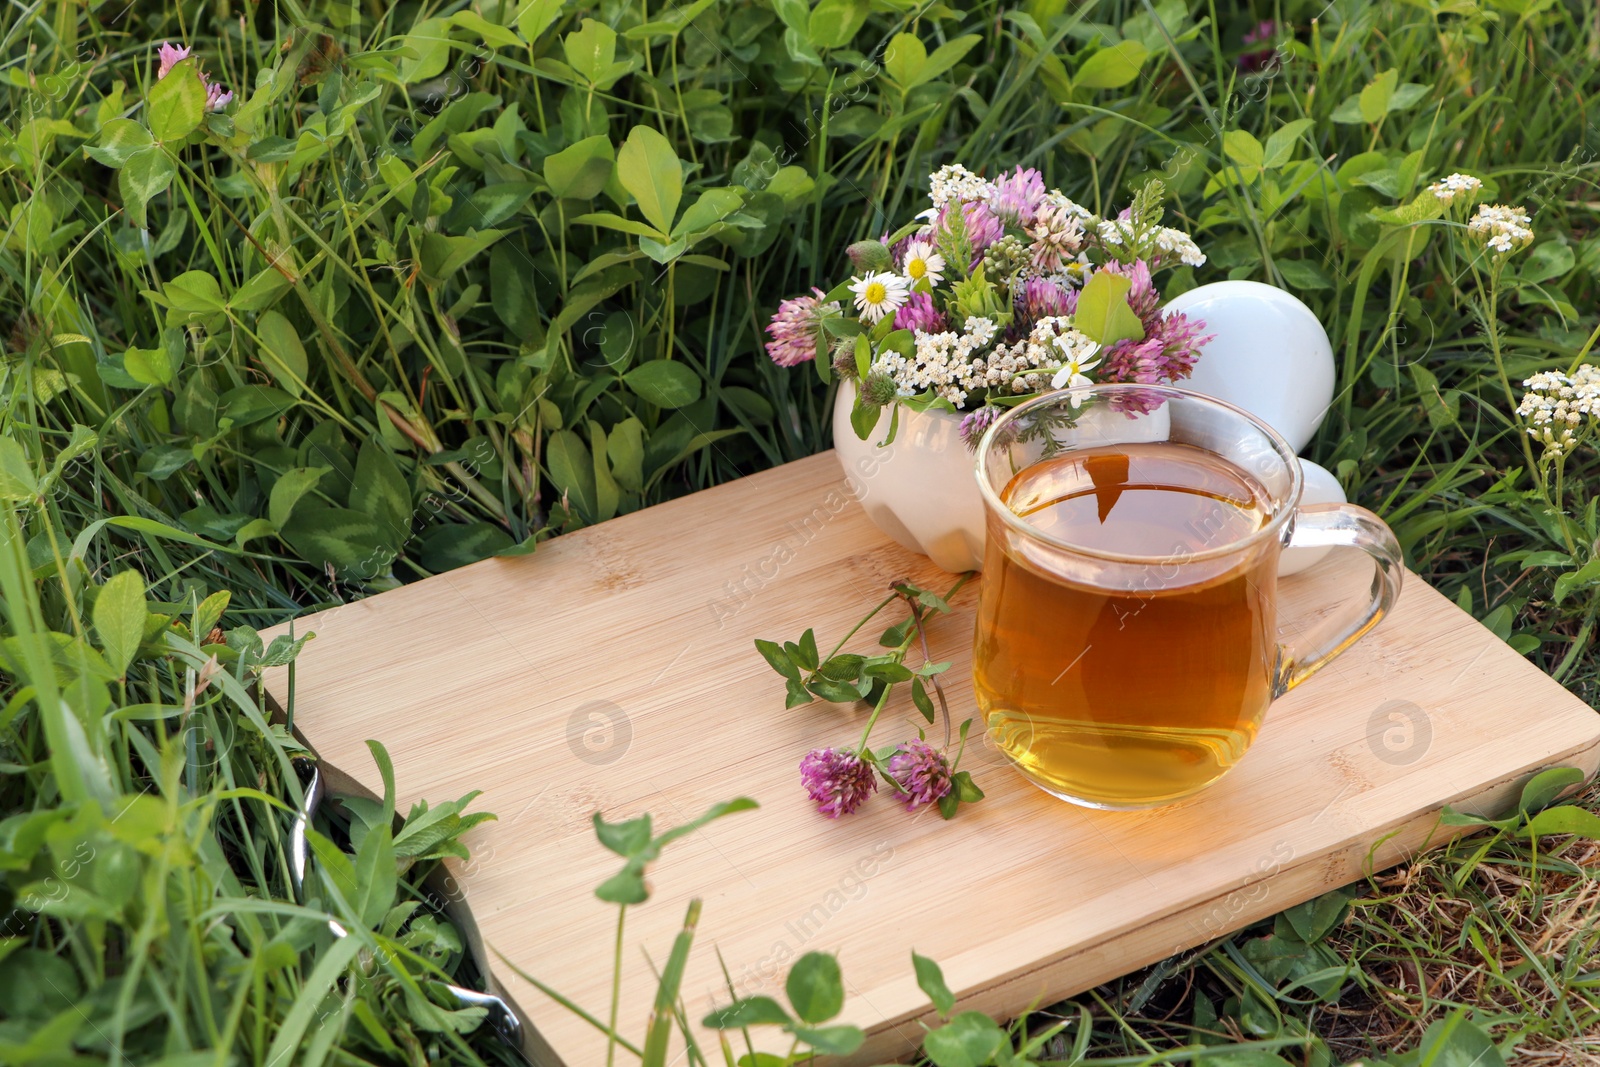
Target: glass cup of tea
<point>1127,640</point>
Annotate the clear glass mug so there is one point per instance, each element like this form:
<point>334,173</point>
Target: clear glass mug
<point>1127,642</point>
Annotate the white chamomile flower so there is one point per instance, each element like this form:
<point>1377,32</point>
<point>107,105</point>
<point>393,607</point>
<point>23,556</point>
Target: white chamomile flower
<point>927,214</point>
<point>878,294</point>
<point>922,263</point>
<point>1073,374</point>
<point>1074,272</point>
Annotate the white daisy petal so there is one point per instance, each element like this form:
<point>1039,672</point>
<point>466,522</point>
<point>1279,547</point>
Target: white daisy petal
<point>879,293</point>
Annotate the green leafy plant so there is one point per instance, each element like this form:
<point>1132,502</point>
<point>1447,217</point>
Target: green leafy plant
<point>636,841</point>
<point>815,988</point>
<point>146,903</point>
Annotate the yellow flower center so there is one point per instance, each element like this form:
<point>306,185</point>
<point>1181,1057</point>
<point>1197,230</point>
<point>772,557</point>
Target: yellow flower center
<point>917,268</point>
<point>876,293</point>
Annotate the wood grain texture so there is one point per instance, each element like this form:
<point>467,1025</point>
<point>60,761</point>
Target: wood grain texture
<point>614,671</point>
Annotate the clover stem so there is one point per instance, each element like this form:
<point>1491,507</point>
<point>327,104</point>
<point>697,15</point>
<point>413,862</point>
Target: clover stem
<point>857,627</point>
<point>900,652</point>
<point>1491,327</point>
<point>616,989</point>
<point>872,720</point>
<point>927,657</point>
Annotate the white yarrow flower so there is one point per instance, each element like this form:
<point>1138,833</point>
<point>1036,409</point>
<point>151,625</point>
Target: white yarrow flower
<point>955,182</point>
<point>981,330</point>
<point>1504,229</point>
<point>878,294</point>
<point>1556,406</point>
<point>923,263</point>
<point>1170,242</point>
<point>1454,185</point>
<point>1056,198</point>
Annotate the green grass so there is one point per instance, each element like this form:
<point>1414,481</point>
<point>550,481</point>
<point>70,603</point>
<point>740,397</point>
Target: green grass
<point>314,377</point>
<point>1493,929</point>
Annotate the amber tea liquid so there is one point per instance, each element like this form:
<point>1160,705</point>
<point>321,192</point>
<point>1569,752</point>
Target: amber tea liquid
<point>1151,682</point>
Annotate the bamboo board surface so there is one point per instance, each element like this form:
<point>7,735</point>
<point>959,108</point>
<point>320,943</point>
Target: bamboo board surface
<point>613,670</point>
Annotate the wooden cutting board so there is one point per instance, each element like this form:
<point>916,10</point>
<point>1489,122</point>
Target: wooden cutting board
<point>614,671</point>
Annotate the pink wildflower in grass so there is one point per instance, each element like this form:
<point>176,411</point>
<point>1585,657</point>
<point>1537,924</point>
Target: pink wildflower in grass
<point>837,779</point>
<point>1017,197</point>
<point>796,329</point>
<point>170,56</point>
<point>922,772</point>
<point>1260,58</point>
<point>918,313</point>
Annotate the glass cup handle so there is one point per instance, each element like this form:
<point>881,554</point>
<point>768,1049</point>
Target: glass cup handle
<point>1340,526</point>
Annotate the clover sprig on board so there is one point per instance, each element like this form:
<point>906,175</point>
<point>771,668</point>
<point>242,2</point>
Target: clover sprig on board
<point>919,774</point>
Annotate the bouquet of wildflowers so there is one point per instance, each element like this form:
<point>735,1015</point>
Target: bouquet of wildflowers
<point>999,290</point>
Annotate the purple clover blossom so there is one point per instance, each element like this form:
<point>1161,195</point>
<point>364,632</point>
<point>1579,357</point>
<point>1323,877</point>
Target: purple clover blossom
<point>1167,353</point>
<point>918,313</point>
<point>796,329</point>
<point>170,56</point>
<point>1041,297</point>
<point>1171,343</point>
<point>216,97</point>
<point>1016,198</point>
<point>980,224</point>
<point>1264,31</point>
<point>983,228</point>
<point>1142,295</point>
<point>1136,402</point>
<point>973,426</point>
<point>837,779</point>
<point>922,772</point>
<point>1260,58</point>
<point>1149,361</point>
